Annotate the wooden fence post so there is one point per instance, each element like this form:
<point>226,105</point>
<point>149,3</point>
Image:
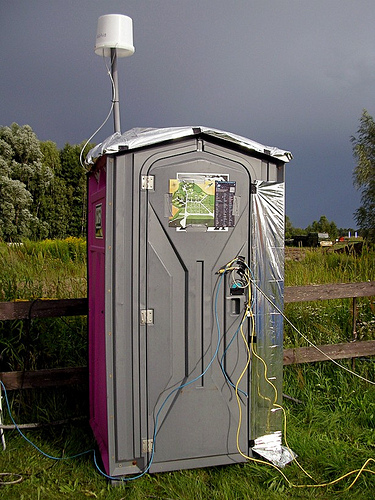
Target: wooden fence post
<point>354,333</point>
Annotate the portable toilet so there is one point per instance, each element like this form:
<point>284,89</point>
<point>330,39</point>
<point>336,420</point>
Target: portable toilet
<point>184,224</point>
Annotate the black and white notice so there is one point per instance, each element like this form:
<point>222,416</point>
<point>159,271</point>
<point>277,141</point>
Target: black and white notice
<point>224,198</point>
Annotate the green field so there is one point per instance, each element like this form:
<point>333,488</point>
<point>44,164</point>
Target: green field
<point>330,422</point>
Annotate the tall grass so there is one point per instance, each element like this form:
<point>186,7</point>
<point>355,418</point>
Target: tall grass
<point>330,321</point>
<point>48,269</point>
<point>319,266</point>
<point>332,428</point>
<point>31,271</point>
<point>45,269</point>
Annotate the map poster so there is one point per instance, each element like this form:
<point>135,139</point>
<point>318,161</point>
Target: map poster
<point>195,199</point>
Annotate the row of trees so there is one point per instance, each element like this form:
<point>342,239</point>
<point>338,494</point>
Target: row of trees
<point>364,180</point>
<point>42,188</point>
<point>323,225</point>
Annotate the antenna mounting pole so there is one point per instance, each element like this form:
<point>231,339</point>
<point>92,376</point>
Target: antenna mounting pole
<point>115,96</point>
<point>114,38</point>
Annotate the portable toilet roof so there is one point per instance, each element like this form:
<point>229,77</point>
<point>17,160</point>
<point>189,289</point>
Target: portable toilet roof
<point>142,137</point>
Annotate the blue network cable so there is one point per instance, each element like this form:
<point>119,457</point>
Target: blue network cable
<point>132,478</point>
<point>28,440</point>
<point>156,425</point>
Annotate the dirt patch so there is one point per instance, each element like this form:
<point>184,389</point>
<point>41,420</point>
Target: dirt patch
<point>294,253</point>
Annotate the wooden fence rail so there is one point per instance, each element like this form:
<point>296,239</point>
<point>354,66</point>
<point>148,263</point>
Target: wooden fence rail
<point>43,308</point>
<point>327,292</point>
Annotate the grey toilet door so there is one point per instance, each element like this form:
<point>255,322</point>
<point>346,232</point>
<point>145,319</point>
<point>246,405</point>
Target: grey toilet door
<point>197,219</point>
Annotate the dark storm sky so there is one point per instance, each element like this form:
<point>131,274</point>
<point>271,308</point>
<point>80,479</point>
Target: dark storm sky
<point>291,74</point>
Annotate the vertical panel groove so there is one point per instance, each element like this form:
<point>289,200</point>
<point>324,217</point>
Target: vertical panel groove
<point>186,323</point>
<point>200,315</point>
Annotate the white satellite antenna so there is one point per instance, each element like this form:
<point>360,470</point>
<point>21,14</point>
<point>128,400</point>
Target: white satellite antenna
<point>114,38</point>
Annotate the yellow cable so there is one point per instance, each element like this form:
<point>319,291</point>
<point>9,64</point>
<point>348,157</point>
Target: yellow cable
<point>358,471</point>
<point>275,404</point>
<point>249,313</point>
<point>240,408</point>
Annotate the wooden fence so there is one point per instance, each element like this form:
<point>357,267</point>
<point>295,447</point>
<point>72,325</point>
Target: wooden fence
<point>41,308</point>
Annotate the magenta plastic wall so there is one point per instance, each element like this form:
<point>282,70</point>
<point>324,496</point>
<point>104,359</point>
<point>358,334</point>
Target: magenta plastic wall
<point>96,303</point>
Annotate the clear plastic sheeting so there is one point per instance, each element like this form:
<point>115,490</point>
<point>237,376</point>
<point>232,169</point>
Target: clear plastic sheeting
<point>270,448</point>
<point>140,137</point>
<point>267,257</point>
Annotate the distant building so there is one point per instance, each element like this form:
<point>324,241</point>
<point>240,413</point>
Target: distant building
<point>311,240</point>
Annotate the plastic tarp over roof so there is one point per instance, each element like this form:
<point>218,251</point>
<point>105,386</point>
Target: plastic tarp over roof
<point>140,137</point>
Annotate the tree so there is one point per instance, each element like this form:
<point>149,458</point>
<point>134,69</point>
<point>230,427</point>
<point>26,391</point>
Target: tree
<point>65,204</point>
<point>364,174</point>
<point>22,179</point>
<point>27,165</point>
<point>74,175</point>
<point>54,205</point>
<point>42,189</point>
<point>15,216</point>
<point>291,231</point>
<point>323,225</point>
<point>288,228</point>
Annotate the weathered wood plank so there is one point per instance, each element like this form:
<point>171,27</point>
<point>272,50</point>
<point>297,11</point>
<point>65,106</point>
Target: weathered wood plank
<point>327,292</point>
<point>43,308</point>
<point>59,377</point>
<point>335,351</point>
<point>46,308</point>
<point>51,308</point>
<point>55,377</point>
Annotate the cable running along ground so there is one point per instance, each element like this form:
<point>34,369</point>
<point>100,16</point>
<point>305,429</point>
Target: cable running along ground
<point>241,277</point>
<point>249,314</point>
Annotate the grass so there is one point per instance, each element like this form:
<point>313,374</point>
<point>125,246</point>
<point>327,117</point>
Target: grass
<point>332,429</point>
<point>47,269</point>
<point>330,321</point>
<point>319,266</point>
<point>34,270</point>
<point>319,431</point>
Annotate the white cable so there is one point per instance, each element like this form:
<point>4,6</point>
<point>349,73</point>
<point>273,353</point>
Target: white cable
<point>109,113</point>
<point>18,479</point>
<point>309,341</point>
